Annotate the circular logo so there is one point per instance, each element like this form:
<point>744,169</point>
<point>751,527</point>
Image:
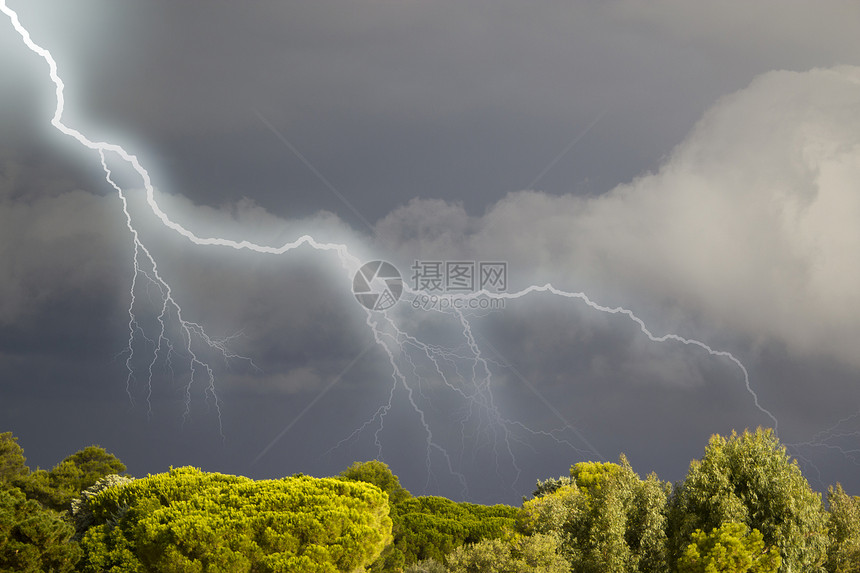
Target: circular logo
<point>377,285</point>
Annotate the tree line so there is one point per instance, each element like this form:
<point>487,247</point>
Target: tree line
<point>743,507</point>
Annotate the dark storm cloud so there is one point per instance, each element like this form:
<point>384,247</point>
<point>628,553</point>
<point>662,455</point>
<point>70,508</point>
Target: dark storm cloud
<point>393,100</point>
<point>461,105</point>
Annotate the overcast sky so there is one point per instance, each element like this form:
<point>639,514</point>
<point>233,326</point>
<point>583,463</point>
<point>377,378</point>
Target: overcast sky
<point>696,163</point>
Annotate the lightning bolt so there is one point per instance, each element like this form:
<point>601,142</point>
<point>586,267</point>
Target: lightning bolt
<point>840,438</point>
<point>191,332</point>
<point>464,371</point>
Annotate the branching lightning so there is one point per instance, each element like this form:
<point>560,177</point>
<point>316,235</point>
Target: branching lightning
<point>464,371</point>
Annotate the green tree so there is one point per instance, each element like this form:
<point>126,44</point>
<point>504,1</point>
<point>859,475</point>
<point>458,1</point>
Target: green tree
<point>590,477</point>
<point>13,464</point>
<point>393,559</point>
<point>749,479</point>
<point>32,538</point>
<point>58,487</point>
<point>188,520</point>
<point>608,519</point>
<point>843,526</point>
<point>379,474</point>
<point>427,528</point>
<point>84,468</point>
<point>82,512</point>
<point>426,566</point>
<point>549,485</point>
<point>537,553</point>
<point>430,527</point>
<point>731,548</point>
<point>552,512</point>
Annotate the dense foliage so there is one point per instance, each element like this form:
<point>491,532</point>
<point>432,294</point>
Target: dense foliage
<point>428,528</point>
<point>431,527</point>
<point>549,485</point>
<point>65,481</point>
<point>843,524</point>
<point>13,464</point>
<point>749,479</point>
<point>731,548</point>
<point>607,518</point>
<point>537,553</point>
<point>744,507</point>
<point>82,511</point>
<point>379,474</point>
<point>189,520</point>
<point>33,538</point>
<point>35,533</point>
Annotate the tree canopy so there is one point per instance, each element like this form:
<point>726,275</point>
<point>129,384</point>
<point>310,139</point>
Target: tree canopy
<point>431,527</point>
<point>189,520</point>
<point>843,525</point>
<point>749,479</point>
<point>379,474</point>
<point>13,464</point>
<point>608,519</point>
<point>730,548</point>
<point>537,553</point>
<point>33,538</point>
<point>744,507</point>
<point>59,486</point>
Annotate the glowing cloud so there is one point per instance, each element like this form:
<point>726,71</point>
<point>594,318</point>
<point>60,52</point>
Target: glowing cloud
<point>749,225</point>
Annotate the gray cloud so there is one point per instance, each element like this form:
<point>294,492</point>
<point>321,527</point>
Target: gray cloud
<point>434,61</point>
<point>52,246</point>
<point>735,225</point>
<point>749,224</point>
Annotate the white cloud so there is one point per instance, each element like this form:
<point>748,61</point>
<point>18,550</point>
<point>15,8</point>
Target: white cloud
<point>750,224</point>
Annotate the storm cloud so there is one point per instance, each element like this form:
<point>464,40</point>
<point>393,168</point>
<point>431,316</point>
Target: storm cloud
<point>693,162</point>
